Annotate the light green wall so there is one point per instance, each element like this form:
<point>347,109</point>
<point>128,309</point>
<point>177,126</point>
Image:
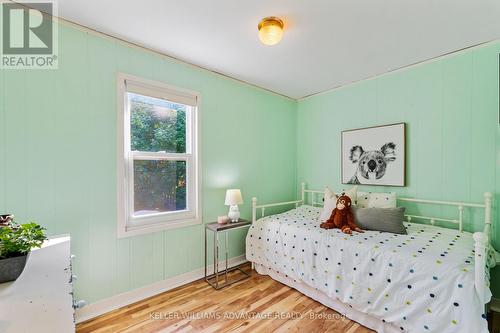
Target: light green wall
<point>58,157</point>
<point>58,147</point>
<point>450,106</point>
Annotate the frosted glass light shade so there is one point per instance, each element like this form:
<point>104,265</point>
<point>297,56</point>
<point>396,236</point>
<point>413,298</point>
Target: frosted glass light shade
<point>270,30</point>
<point>233,197</point>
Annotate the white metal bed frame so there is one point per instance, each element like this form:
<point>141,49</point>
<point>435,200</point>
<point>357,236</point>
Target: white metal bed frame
<point>481,239</point>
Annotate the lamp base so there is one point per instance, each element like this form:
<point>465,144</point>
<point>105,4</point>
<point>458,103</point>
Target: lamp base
<point>234,213</point>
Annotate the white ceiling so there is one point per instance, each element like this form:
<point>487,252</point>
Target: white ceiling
<point>327,43</point>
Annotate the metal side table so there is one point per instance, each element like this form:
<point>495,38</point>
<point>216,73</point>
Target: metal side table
<point>216,228</point>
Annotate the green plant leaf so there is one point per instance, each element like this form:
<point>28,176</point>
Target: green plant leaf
<point>19,239</point>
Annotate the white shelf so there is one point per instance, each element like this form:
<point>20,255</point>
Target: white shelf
<point>40,300</point>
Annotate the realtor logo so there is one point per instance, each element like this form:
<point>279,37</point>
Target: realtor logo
<point>29,35</point>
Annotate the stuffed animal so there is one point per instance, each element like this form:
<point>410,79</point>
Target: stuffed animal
<point>342,217</point>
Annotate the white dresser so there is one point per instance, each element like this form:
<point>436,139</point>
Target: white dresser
<point>41,299</point>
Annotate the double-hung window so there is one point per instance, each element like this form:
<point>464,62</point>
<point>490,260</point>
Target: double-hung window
<point>158,181</point>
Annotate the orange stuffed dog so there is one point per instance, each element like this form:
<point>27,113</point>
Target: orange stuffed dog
<point>342,217</point>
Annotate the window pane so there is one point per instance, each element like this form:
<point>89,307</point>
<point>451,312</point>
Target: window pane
<point>159,186</point>
<point>157,124</point>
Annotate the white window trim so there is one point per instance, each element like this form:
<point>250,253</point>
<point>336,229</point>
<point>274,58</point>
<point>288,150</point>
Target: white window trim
<point>126,227</point>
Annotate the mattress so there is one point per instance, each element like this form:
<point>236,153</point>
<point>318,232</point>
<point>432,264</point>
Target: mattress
<point>419,282</point>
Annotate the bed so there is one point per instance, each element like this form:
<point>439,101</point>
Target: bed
<point>433,279</point>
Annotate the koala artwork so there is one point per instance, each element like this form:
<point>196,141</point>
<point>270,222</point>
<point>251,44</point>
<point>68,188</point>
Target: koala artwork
<point>373,163</point>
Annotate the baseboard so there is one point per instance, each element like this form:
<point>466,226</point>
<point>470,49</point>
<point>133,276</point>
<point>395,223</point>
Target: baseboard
<point>115,302</point>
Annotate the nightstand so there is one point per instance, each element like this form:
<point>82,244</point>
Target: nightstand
<point>216,229</point>
<point>494,315</point>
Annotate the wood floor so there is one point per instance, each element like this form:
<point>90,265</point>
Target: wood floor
<point>197,307</point>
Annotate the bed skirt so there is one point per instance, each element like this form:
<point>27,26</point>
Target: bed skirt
<point>355,315</point>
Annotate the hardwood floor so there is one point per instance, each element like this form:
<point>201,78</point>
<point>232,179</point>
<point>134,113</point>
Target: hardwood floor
<point>197,307</point>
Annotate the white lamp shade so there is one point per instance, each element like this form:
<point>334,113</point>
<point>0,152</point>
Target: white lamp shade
<point>233,197</point>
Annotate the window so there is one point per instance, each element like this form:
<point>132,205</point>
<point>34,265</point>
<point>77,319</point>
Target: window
<point>157,157</point>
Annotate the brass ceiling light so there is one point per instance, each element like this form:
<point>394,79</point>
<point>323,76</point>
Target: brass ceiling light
<point>270,30</point>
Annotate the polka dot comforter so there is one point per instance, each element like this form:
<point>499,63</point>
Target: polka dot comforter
<point>420,282</point>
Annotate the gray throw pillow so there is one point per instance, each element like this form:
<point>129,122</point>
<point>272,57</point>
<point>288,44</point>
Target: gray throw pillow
<point>380,219</point>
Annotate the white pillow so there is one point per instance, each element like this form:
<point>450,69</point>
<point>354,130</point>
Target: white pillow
<point>376,200</point>
<point>330,201</point>
<point>352,193</point>
<point>382,200</point>
<point>363,199</point>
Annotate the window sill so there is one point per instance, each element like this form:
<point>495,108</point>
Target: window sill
<point>128,231</point>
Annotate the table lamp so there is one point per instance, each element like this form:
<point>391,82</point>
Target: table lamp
<point>233,199</point>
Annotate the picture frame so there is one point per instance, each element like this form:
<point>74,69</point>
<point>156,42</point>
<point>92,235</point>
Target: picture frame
<point>374,155</point>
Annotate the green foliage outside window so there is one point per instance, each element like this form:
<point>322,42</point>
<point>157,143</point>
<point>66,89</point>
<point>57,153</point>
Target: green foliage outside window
<point>158,126</point>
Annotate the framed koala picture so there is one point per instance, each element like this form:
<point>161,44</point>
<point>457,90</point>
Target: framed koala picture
<point>374,155</point>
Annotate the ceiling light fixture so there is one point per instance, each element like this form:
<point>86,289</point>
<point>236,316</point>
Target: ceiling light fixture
<point>270,30</point>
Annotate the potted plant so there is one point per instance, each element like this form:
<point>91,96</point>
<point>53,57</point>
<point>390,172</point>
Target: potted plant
<point>16,242</point>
